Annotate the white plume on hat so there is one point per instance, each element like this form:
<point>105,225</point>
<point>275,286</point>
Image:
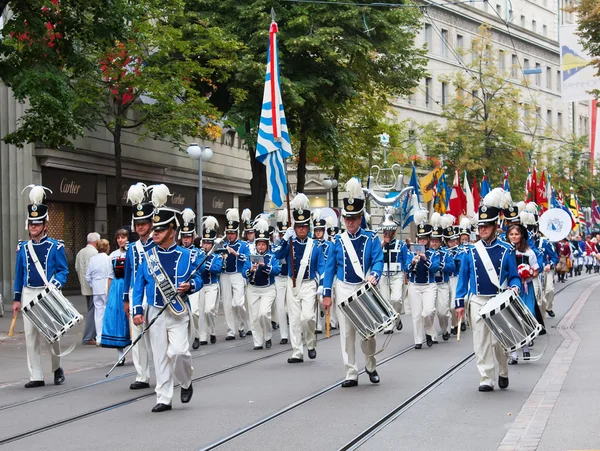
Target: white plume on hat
<point>527,218</point>
<point>211,223</point>
<point>473,220</point>
<point>37,193</point>
<point>520,206</point>
<point>316,214</point>
<point>367,217</point>
<point>136,193</point>
<point>261,226</point>
<point>465,223</point>
<point>246,215</point>
<point>435,219</point>
<point>282,216</point>
<point>329,221</point>
<point>232,214</point>
<point>420,216</point>
<point>300,201</point>
<point>160,195</point>
<point>495,198</point>
<point>188,215</point>
<point>531,207</point>
<point>447,221</point>
<point>354,188</point>
<point>506,199</point>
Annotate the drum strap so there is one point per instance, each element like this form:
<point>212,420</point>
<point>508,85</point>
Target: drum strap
<point>37,263</point>
<point>352,255</point>
<point>487,263</point>
<point>303,265</point>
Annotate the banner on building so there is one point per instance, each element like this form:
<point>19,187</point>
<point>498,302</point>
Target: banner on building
<point>578,73</point>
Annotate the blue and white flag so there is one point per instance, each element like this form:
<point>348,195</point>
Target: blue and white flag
<point>273,144</point>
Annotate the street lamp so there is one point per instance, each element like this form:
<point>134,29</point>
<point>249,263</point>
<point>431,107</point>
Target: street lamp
<point>197,152</point>
<point>330,184</point>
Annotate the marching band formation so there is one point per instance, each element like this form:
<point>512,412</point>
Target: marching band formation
<point>300,277</point>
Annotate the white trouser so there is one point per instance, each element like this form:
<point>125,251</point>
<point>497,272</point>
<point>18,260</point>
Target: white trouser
<point>485,344</point>
<point>260,301</point>
<point>99,307</point>
<point>209,295</point>
<point>452,288</point>
<point>32,341</point>
<point>538,293</point>
<point>198,320</point>
<point>442,305</point>
<point>393,292</point>
<point>303,315</point>
<point>232,294</point>
<point>169,338</point>
<point>549,291</point>
<point>140,352</point>
<point>422,309</point>
<point>348,335</point>
<point>281,287</point>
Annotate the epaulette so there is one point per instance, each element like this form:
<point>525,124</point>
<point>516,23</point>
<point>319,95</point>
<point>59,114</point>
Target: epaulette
<point>19,244</point>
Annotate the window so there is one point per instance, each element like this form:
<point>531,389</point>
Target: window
<point>559,121</point>
<point>538,74</point>
<point>444,93</point>
<point>538,116</point>
<point>499,10</point>
<point>525,64</point>
<point>514,66</point>
<point>459,42</point>
<point>526,114</point>
<point>427,36</point>
<point>523,21</point>
<point>474,98</point>
<point>428,93</point>
<point>545,30</point>
<point>558,81</point>
<point>445,43</point>
<point>412,136</point>
<point>501,62</point>
<point>548,78</point>
<point>549,118</point>
<point>534,26</point>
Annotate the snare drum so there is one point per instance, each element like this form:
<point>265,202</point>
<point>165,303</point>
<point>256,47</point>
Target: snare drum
<point>369,311</point>
<point>510,320</point>
<point>52,313</point>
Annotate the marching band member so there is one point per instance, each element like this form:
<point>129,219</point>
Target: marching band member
<point>563,250</point>
<point>261,291</point>
<point>187,235</point>
<point>136,254</point>
<point>307,267</point>
<point>319,226</point>
<point>392,280</point>
<point>210,271</point>
<point>170,335</point>
<point>452,239</point>
<point>355,256</point>
<point>422,290</point>
<point>442,277</point>
<point>484,271</point>
<point>40,261</point>
<point>590,254</point>
<point>232,280</point>
<point>249,232</point>
<point>281,280</point>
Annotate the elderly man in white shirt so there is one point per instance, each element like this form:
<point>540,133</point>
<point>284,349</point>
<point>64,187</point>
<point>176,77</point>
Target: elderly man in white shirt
<point>96,276</point>
<point>81,263</point>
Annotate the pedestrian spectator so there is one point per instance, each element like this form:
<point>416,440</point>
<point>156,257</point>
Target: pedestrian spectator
<point>81,263</point>
<point>97,274</point>
<point>115,328</point>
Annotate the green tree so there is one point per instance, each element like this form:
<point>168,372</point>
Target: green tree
<point>329,54</point>
<point>124,65</point>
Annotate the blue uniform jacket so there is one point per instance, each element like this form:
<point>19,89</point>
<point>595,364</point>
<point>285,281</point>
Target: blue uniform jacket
<point>235,264</point>
<point>370,255</point>
<point>283,262</point>
<point>546,253</point>
<point>473,278</point>
<point>211,268</point>
<point>316,266</point>
<point>424,271</point>
<point>264,275</point>
<point>457,254</point>
<point>133,261</point>
<point>52,257</point>
<point>178,263</point>
<point>397,250</point>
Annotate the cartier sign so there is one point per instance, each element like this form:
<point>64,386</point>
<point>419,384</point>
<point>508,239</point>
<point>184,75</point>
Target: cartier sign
<point>216,202</point>
<point>68,186</point>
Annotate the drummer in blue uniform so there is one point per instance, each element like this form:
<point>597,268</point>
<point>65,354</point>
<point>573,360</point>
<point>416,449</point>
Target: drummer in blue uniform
<point>355,257</point>
<point>50,254</point>
<point>422,268</point>
<point>135,255</point>
<point>487,269</point>
<point>170,335</point>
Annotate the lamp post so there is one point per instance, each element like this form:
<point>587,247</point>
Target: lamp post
<point>197,152</point>
<point>329,184</point>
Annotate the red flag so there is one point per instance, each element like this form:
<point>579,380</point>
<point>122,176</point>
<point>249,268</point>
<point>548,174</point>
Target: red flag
<point>458,200</point>
<point>531,186</point>
<point>542,193</point>
<point>476,196</point>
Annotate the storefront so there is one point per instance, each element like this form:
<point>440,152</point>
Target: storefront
<point>216,204</point>
<point>71,212</point>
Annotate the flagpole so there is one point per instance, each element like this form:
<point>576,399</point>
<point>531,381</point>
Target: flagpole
<point>289,214</point>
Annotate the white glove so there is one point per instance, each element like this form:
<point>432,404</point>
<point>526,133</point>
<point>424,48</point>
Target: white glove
<point>289,233</point>
<point>320,291</point>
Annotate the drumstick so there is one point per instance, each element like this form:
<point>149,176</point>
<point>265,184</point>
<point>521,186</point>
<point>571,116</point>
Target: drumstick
<point>327,323</point>
<point>458,334</point>
<point>11,331</point>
